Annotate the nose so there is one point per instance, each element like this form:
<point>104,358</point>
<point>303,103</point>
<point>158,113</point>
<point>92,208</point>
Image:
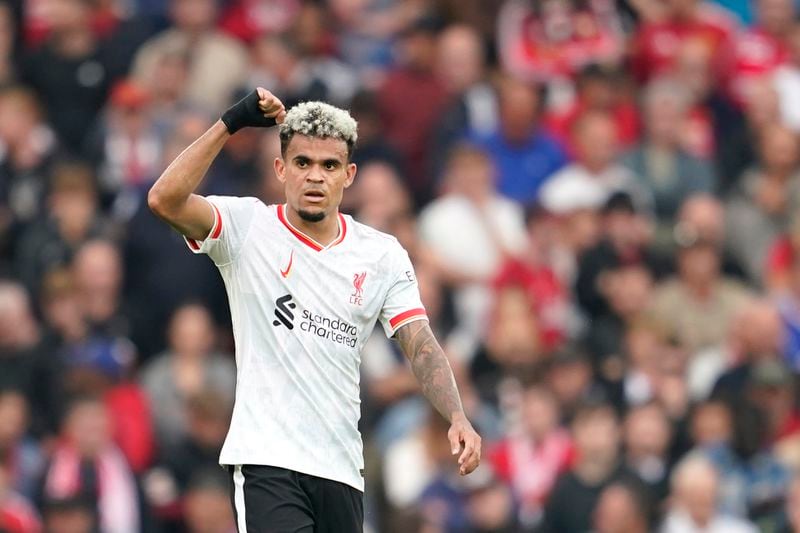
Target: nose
<point>314,175</point>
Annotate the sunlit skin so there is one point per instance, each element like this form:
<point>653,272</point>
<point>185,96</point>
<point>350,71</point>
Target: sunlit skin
<point>315,171</point>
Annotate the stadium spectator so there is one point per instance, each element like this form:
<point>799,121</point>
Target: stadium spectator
<point>694,507</point>
<point>512,345</point>
<point>372,145</point>
<point>190,366</point>
<point>647,436</point>
<point>697,305</point>
<point>759,50</point>
<point>97,271</point>
<point>532,456</point>
<point>469,216</point>
<point>759,336</point>
<point>415,79</point>
<point>657,42</point>
<point>524,154</point>
<point>87,466</point>
<point>568,371</point>
<point>208,415</point>
<point>278,62</point>
<point>380,197</point>
<point>25,362</point>
<point>73,218</point>
<point>247,20</point>
<point>660,162</point>
<point>194,32</point>
<point>20,454</point>
<point>72,71</point>
<point>207,503</point>
<point>29,147</point>
<point>764,201</point>
<point>17,514</point>
<point>786,81</point>
<point>596,434</point>
<point>461,63</point>
<point>628,288</point>
<point>596,171</point>
<point>620,509</point>
<point>624,241</point>
<point>704,215</point>
<point>551,40</point>
<point>603,89</point>
<point>126,144</point>
<point>534,272</point>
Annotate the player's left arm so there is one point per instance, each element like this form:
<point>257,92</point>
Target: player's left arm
<point>435,376</point>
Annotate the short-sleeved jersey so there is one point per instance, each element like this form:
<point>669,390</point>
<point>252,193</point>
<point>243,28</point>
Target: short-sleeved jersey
<point>301,313</point>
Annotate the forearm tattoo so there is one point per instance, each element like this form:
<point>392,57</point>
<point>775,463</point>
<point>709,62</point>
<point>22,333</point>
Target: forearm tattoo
<point>430,366</point>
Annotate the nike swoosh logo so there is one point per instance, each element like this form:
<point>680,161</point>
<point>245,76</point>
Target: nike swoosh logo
<point>285,273</point>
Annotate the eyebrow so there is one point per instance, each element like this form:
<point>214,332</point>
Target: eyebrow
<point>326,161</point>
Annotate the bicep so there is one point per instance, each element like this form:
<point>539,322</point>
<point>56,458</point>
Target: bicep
<point>194,219</point>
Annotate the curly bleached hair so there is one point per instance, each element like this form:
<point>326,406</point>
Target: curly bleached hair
<point>318,119</point>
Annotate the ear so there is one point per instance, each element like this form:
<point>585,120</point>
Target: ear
<point>280,169</point>
<point>351,174</point>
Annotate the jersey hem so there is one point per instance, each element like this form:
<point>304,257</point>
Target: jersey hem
<point>299,469</point>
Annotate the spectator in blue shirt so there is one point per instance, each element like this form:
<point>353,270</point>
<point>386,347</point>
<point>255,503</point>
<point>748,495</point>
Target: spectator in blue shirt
<point>523,154</point>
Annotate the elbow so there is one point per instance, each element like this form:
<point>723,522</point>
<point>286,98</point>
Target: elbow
<point>155,202</point>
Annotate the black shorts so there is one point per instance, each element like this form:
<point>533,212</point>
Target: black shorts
<point>267,499</point>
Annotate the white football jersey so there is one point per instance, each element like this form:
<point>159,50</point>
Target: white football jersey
<point>301,313</point>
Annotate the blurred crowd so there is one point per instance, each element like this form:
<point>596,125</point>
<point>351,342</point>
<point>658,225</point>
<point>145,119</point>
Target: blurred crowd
<point>601,199</point>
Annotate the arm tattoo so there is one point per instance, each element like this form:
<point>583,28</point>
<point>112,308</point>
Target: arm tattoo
<point>430,366</point>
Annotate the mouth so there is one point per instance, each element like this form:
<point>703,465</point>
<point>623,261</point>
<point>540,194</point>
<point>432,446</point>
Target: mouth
<point>314,196</point>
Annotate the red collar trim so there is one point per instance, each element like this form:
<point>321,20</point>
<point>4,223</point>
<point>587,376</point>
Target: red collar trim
<point>305,239</point>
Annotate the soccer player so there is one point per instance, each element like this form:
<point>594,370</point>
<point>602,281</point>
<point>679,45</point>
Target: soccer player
<point>306,285</point>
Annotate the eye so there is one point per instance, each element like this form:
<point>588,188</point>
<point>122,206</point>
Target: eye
<point>330,165</point>
<point>302,163</point>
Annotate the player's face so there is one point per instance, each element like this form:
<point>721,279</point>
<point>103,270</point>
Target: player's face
<point>315,173</point>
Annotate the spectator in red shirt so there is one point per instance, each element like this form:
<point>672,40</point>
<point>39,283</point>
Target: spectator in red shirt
<point>759,50</point>
<point>408,127</point>
<point>532,456</point>
<point>599,88</point>
<point>17,515</point>
<point>250,19</point>
<point>545,40</point>
<point>657,43</point>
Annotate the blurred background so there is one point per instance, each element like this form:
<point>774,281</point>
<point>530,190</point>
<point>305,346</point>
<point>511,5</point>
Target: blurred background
<point>601,199</point>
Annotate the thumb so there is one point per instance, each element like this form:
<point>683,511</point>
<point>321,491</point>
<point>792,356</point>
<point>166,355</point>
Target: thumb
<point>455,442</point>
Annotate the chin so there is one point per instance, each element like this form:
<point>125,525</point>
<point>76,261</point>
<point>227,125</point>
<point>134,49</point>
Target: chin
<point>311,216</point>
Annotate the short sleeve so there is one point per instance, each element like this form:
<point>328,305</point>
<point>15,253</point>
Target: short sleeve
<point>403,304</point>
<point>233,217</point>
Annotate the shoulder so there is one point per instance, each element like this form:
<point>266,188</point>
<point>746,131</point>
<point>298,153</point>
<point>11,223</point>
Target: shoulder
<point>236,200</point>
<point>241,207</point>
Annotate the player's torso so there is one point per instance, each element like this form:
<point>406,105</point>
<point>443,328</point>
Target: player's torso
<point>326,297</point>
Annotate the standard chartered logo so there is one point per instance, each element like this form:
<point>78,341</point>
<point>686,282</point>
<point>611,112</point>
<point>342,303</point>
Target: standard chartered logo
<point>283,311</point>
<point>332,329</point>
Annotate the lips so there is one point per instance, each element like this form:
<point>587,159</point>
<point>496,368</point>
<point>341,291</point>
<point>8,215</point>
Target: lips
<point>314,196</point>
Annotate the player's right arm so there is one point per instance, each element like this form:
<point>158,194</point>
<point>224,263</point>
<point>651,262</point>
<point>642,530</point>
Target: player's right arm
<point>172,196</point>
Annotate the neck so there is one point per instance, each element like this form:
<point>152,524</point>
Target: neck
<point>324,232</point>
